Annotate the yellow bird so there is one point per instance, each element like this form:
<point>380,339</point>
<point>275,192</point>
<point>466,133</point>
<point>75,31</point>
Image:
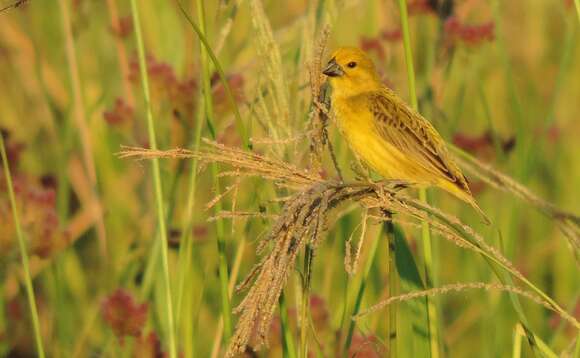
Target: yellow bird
<point>387,134</point>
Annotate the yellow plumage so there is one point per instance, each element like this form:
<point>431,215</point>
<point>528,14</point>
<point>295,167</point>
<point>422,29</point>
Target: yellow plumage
<point>392,138</point>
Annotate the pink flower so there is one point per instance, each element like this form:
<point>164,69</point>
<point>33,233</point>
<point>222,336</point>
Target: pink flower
<point>149,346</point>
<point>420,7</point>
<point>370,44</point>
<point>124,28</point>
<point>123,314</point>
<point>365,347</point>
<point>392,35</point>
<point>120,113</point>
<point>471,35</point>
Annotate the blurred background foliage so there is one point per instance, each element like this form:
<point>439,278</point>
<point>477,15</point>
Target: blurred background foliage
<point>498,79</point>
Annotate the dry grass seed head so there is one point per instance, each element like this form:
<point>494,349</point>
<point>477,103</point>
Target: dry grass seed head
<point>460,287</point>
<point>350,263</point>
<point>269,50</point>
<point>302,221</point>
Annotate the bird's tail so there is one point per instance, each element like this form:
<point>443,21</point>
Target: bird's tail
<point>483,216</point>
<point>466,196</point>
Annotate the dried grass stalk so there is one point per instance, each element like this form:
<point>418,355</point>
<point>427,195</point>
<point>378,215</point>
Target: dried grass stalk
<point>270,52</point>
<point>568,223</point>
<point>460,287</point>
<point>303,220</point>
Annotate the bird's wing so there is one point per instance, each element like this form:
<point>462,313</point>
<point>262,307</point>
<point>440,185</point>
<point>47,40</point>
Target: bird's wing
<point>414,136</point>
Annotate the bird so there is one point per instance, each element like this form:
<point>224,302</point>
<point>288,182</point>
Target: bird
<point>387,134</point>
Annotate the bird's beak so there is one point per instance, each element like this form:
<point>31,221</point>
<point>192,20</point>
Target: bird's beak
<point>333,69</point>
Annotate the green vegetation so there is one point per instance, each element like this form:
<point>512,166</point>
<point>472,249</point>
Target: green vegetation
<point>172,181</point>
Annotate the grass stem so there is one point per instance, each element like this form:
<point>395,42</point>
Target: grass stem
<point>156,182</point>
<point>361,290</point>
<point>242,131</point>
<point>80,120</point>
<point>121,50</point>
<point>220,231</point>
<point>393,276</point>
<point>305,302</point>
<point>23,251</point>
<point>518,335</point>
<point>287,338</point>
<point>425,232</point>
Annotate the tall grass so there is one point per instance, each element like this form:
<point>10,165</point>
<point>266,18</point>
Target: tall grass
<point>220,230</point>
<point>79,118</point>
<point>155,171</point>
<point>360,292</point>
<point>23,251</point>
<point>425,233</point>
<point>342,266</point>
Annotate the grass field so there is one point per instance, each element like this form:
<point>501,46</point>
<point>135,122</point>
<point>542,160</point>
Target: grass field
<point>156,153</point>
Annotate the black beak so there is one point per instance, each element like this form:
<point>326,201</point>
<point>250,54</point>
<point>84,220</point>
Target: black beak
<point>333,69</point>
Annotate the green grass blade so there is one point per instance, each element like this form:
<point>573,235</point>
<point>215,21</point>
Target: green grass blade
<point>23,252</point>
<point>156,182</point>
<point>544,349</point>
<point>425,232</point>
<point>393,277</point>
<point>414,314</point>
<point>288,346</point>
<point>308,256</point>
<point>186,240</point>
<point>518,334</point>
<point>79,118</point>
<point>220,230</point>
<point>360,293</point>
<point>242,131</point>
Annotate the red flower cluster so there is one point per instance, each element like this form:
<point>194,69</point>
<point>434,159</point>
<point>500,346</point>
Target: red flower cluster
<point>39,219</point>
<point>36,199</point>
<point>13,149</point>
<point>149,346</point>
<point>228,136</point>
<point>199,232</point>
<point>319,312</point>
<point>124,27</point>
<point>235,82</point>
<point>472,35</point>
<point>393,35</point>
<point>120,113</point>
<point>365,347</point>
<point>421,7</point>
<point>127,319</point>
<point>376,44</point>
<point>166,86</point>
<point>372,44</point>
<point>123,314</point>
<point>481,145</point>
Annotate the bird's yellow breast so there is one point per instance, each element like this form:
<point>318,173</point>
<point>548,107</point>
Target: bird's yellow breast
<point>356,124</point>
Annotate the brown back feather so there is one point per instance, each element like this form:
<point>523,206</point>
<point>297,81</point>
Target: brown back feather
<point>414,136</point>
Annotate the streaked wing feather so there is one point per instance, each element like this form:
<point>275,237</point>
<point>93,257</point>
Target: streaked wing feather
<point>414,136</point>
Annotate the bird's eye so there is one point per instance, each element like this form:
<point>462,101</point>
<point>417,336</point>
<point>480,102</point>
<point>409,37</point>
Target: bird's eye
<point>351,64</point>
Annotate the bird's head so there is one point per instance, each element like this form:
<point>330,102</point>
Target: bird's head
<point>351,72</point>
